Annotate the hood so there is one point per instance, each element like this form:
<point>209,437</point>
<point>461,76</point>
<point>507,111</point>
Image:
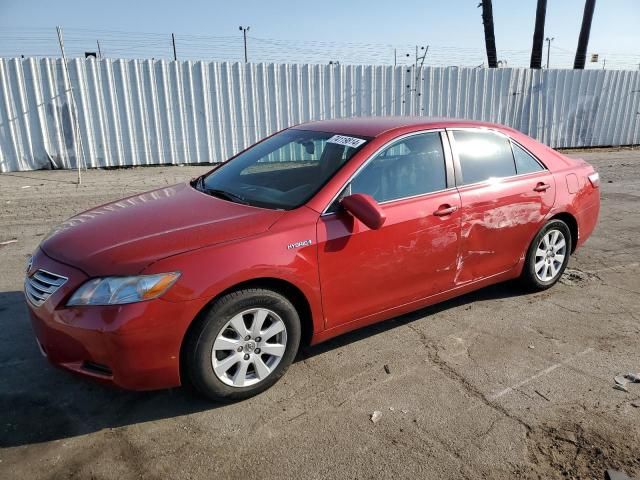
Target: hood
<point>123,237</point>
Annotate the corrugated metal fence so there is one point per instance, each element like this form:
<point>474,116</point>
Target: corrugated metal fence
<point>141,112</point>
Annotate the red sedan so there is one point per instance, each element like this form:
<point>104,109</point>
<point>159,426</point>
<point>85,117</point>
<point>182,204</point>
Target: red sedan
<point>315,231</point>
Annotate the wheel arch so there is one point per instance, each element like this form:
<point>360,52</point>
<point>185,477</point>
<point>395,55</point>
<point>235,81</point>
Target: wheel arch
<point>283,287</point>
<point>572,223</point>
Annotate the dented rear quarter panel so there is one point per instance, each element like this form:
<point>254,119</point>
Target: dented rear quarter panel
<point>577,196</point>
<point>583,203</point>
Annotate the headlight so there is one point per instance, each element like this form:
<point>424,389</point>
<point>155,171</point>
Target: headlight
<point>120,290</point>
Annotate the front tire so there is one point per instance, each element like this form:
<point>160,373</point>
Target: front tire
<point>547,257</point>
<point>242,345</point>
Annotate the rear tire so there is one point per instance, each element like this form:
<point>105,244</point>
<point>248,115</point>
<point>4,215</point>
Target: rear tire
<point>547,257</point>
<point>242,345</point>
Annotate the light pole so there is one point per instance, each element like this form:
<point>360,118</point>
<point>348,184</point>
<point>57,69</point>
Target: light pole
<point>173,41</point>
<point>549,40</point>
<point>244,33</point>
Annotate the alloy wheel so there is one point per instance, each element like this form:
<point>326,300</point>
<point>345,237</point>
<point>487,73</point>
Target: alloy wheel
<point>249,347</point>
<point>550,255</point>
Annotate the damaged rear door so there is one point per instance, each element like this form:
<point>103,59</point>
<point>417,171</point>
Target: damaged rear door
<point>506,193</point>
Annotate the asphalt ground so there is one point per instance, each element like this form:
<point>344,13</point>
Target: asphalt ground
<point>494,384</point>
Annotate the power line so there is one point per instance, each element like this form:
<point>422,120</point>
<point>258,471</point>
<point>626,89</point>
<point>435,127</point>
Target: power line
<point>41,42</point>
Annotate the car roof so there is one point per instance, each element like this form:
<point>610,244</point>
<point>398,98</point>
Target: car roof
<point>375,126</point>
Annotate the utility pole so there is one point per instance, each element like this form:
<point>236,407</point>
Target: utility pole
<point>585,30</point>
<point>72,106</point>
<point>173,41</point>
<point>395,57</point>
<point>604,63</point>
<point>244,31</point>
<point>549,40</point>
<point>538,35</point>
<point>99,51</point>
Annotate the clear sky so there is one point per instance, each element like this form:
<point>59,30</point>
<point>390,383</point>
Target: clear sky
<point>350,31</point>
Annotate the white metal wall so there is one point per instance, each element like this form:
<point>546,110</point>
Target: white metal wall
<point>141,112</point>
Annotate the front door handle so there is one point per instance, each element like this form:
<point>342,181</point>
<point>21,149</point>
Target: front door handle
<point>444,210</point>
<point>541,187</point>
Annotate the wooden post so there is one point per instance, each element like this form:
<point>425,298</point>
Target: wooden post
<point>72,108</point>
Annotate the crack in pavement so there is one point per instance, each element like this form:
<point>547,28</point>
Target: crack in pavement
<point>434,356</point>
<point>537,438</point>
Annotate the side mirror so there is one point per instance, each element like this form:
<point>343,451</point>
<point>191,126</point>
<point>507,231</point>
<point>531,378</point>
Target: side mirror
<point>365,209</point>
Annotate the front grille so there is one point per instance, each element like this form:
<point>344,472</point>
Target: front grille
<point>41,285</point>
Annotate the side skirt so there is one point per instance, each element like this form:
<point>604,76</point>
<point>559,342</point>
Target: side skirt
<point>416,305</point>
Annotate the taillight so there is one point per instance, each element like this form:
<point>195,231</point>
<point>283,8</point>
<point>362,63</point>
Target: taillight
<point>594,178</point>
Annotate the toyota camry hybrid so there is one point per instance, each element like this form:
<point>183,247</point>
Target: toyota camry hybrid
<point>314,231</point>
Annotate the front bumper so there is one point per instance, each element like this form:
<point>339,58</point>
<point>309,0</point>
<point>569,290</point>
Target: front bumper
<point>134,346</point>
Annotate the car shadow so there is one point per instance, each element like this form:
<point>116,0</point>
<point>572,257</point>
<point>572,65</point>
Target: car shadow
<point>40,403</point>
<point>493,292</point>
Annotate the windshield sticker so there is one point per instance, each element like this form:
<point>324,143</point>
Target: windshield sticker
<point>348,141</point>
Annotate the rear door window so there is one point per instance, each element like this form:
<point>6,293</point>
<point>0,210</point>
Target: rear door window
<point>525,163</point>
<point>483,155</point>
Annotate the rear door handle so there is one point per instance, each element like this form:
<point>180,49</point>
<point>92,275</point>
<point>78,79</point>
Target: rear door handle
<point>444,210</point>
<point>542,187</point>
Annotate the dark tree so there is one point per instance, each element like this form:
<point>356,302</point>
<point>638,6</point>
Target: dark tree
<point>489,35</point>
<point>538,35</point>
<point>583,40</point>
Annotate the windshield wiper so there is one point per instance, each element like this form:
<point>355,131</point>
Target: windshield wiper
<point>225,195</point>
<point>199,185</point>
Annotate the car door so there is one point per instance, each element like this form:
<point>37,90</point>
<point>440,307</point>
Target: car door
<point>413,255</point>
<point>506,194</point>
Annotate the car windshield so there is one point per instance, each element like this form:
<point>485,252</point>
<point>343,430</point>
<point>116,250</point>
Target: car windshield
<point>283,171</point>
